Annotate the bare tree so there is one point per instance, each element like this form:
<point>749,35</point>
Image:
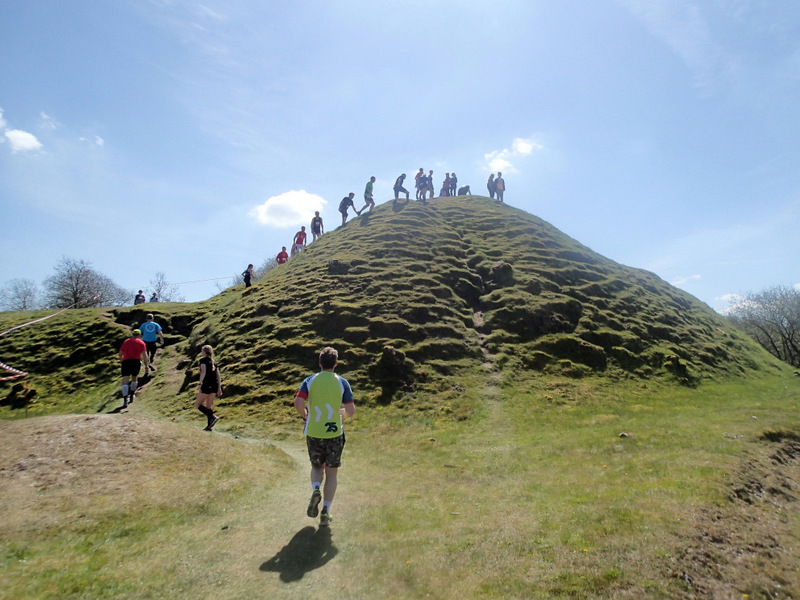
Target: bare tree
<point>772,318</point>
<point>165,291</point>
<point>264,268</point>
<point>75,284</point>
<point>19,294</point>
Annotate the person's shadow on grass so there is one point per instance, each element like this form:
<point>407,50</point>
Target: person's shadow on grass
<point>309,549</point>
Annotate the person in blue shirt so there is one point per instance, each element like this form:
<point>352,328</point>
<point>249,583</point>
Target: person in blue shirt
<point>151,333</point>
<point>322,400</point>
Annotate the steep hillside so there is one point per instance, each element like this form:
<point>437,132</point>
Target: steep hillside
<point>413,293</point>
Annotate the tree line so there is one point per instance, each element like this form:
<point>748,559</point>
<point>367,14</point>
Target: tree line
<point>772,318</point>
<point>75,284</point>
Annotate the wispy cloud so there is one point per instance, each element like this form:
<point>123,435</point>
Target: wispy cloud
<point>505,159</point>
<point>680,281</point>
<point>96,140</point>
<point>2,120</point>
<point>680,25</point>
<point>288,209</point>
<point>48,122</point>
<point>22,141</point>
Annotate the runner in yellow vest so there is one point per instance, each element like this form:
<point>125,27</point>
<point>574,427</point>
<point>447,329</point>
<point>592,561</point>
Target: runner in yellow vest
<point>321,401</point>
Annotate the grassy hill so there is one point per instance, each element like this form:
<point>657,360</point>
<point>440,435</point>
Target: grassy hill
<point>534,421</point>
<point>411,294</point>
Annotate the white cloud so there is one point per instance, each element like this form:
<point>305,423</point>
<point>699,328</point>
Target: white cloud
<point>288,209</point>
<point>96,140</point>
<point>679,281</point>
<point>501,160</point>
<point>22,141</point>
<point>797,286</point>
<point>2,120</point>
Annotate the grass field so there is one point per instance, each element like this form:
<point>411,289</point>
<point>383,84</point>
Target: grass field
<point>534,495</point>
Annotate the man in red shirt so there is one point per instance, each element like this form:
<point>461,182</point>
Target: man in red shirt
<point>131,355</point>
<point>283,256</point>
<point>299,240</point>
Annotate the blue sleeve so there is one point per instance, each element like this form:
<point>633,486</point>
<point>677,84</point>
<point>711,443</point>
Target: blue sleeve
<point>347,394</point>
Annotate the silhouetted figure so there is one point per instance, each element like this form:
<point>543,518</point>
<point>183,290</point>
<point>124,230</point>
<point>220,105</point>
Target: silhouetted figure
<point>499,186</point>
<point>399,189</point>
<point>345,204</point>
<point>368,201</point>
<point>247,275</point>
<point>317,228</point>
<point>490,186</point>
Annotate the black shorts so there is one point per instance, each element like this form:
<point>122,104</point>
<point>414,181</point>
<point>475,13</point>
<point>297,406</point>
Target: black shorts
<point>208,388</point>
<point>131,367</point>
<point>151,347</point>
<point>325,451</point>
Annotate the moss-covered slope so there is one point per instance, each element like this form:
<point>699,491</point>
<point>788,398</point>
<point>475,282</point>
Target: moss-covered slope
<point>412,293</point>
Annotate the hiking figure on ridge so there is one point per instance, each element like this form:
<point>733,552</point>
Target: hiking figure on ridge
<point>317,228</point>
<point>368,201</point>
<point>490,186</point>
<point>398,188</point>
<point>299,241</point>
<point>247,275</point>
<point>418,179</point>
<point>345,204</point>
<point>282,257</point>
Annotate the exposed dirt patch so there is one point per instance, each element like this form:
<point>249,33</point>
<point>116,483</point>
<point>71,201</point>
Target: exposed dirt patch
<point>53,468</point>
<point>748,548</point>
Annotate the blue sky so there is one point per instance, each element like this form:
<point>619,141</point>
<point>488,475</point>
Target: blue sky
<point>194,137</point>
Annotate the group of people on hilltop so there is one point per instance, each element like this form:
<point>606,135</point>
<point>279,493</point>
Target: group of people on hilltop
<point>496,186</point>
<point>423,183</point>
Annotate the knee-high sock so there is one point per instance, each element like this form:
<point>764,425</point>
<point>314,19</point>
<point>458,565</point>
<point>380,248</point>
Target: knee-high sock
<point>207,412</point>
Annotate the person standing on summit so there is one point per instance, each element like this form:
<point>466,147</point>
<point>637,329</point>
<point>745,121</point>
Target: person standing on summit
<point>499,186</point>
<point>490,186</point>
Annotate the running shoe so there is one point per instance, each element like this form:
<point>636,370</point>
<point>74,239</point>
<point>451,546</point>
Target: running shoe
<point>325,519</point>
<point>313,504</point>
<point>214,420</point>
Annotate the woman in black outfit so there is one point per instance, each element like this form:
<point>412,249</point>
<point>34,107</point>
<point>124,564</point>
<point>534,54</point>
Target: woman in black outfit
<point>210,386</point>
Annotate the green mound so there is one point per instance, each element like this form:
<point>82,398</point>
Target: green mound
<point>412,294</point>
